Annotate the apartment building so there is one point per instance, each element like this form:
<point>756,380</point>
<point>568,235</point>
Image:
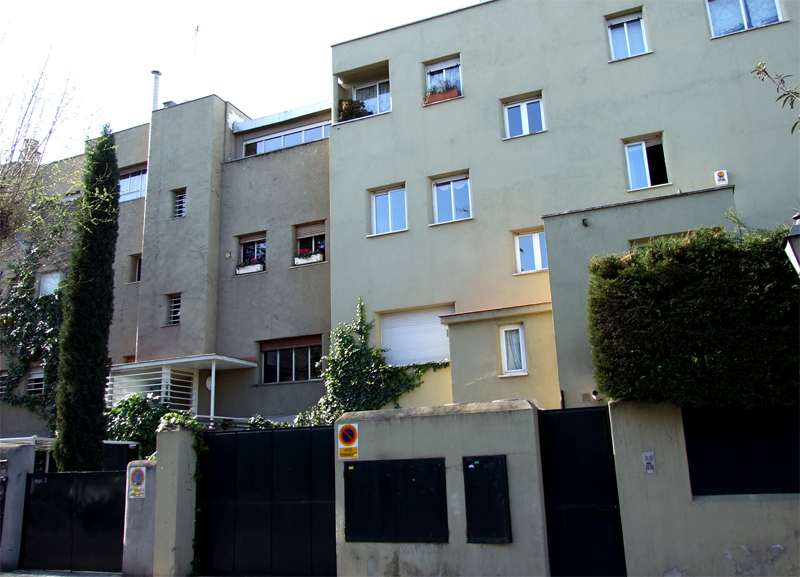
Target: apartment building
<point>486,119</point>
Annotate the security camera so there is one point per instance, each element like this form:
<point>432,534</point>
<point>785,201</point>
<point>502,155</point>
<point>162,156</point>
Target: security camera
<point>596,396</point>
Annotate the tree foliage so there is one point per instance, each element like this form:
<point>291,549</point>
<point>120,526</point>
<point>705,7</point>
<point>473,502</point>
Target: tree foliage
<point>136,418</point>
<point>707,319</point>
<point>786,94</point>
<point>88,304</point>
<point>357,377</point>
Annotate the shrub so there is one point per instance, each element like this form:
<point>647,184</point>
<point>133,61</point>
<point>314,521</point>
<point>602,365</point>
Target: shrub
<point>136,418</point>
<point>707,319</point>
<point>350,109</point>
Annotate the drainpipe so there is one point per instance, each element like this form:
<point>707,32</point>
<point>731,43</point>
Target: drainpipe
<point>213,388</point>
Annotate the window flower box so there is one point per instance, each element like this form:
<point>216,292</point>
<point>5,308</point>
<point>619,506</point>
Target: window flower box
<point>299,260</point>
<point>439,96</point>
<point>249,268</point>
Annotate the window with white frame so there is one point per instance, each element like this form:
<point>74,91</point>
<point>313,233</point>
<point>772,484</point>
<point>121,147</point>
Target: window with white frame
<point>646,163</point>
<point>512,349</point>
<point>415,336</point>
<point>174,309</point>
<point>729,16</point>
<point>291,359</point>
<point>252,249</point>
<point>136,268</point>
<point>389,211</point>
<point>376,96</point>
<point>48,283</point>
<point>132,185</point>
<point>36,381</point>
<point>293,137</point>
<point>444,76</point>
<point>531,251</point>
<point>626,36</point>
<point>310,242</point>
<point>451,199</point>
<point>179,203</point>
<point>524,117</point>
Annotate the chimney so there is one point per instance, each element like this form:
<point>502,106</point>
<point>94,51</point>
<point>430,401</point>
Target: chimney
<point>156,76</point>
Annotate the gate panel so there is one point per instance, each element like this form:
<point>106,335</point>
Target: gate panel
<point>214,537</point>
<point>253,539</point>
<point>291,538</point>
<point>47,531</point>
<point>323,540</point>
<point>99,527</point>
<point>584,531</point>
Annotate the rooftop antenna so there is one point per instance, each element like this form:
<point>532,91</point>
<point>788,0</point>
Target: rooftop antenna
<point>156,77</point>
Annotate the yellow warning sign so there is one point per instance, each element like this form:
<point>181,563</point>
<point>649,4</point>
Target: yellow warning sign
<point>348,441</point>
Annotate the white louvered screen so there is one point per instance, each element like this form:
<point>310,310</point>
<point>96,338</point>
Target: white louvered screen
<point>416,336</point>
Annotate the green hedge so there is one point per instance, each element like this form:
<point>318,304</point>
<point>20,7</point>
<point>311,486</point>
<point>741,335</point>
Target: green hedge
<point>706,319</point>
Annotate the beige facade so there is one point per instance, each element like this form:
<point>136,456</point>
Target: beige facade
<point>689,92</point>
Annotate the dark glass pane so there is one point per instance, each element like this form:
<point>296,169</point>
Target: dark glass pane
<point>261,250</point>
<point>248,251</point>
<point>285,365</point>
<point>301,364</point>
<point>319,243</point>
<point>305,243</point>
<point>250,149</point>
<point>656,164</point>
<point>316,355</point>
<point>271,367</point>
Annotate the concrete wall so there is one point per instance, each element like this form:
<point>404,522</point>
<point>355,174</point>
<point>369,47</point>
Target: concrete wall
<point>610,230</point>
<point>20,462</point>
<point>698,92</point>
<point>453,432</point>
<point>17,421</point>
<point>175,504</point>
<point>667,531</point>
<point>140,516</point>
<point>132,145</point>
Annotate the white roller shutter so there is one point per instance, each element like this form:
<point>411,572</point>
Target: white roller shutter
<point>416,336</point>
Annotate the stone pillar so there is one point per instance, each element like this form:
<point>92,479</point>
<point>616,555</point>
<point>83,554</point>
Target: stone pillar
<point>140,522</point>
<point>20,463</point>
<point>175,504</point>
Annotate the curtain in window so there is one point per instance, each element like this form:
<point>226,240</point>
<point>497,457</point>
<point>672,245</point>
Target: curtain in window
<point>761,12</point>
<point>453,75</point>
<point>369,95</point>
<point>726,16</point>
<point>461,198</point>
<point>513,350</point>
<point>384,97</point>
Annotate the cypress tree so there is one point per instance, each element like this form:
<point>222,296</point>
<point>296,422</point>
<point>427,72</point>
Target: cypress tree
<point>88,303</point>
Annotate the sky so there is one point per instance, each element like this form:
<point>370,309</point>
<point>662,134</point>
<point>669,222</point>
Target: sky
<point>264,57</point>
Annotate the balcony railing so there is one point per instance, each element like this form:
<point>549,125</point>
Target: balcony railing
<point>175,387</point>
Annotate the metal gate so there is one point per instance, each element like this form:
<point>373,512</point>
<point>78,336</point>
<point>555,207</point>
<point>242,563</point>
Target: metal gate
<point>266,503</point>
<point>74,521</point>
<point>584,531</point>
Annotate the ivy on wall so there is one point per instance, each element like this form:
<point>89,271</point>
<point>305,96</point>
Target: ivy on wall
<point>29,328</point>
<point>706,319</point>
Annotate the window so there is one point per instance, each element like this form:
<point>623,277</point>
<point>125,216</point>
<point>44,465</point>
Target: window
<point>48,283</point>
<point>292,359</point>
<point>376,96</point>
<point>136,268</point>
<point>443,77</point>
<point>310,239</point>
<point>729,16</point>
<point>646,164</point>
<point>174,309</point>
<point>416,336</point>
<point>524,117</point>
<point>389,211</point>
<point>132,185</point>
<point>288,138</point>
<point>252,249</point>
<point>531,252</point>
<point>36,381</point>
<point>626,36</point>
<point>179,203</point>
<point>512,348</point>
<point>451,199</point>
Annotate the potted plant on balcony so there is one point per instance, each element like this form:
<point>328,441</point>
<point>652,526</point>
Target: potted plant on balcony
<point>249,265</point>
<point>442,91</point>
<point>350,109</point>
<point>307,256</point>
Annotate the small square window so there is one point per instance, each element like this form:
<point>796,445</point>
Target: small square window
<point>174,309</point>
<point>523,117</point>
<point>36,381</point>
<point>252,253</point>
<point>646,164</point>
<point>48,283</point>
<point>376,97</point>
<point>179,203</point>
<point>389,211</point>
<point>451,199</point>
<point>443,80</point>
<point>626,36</point>
<point>310,243</point>
<point>729,16</point>
<point>531,252</point>
<point>512,347</point>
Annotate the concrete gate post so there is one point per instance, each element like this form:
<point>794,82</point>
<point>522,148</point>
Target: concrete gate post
<point>140,517</point>
<point>20,463</point>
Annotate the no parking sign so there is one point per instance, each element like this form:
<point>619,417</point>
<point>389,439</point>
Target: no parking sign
<point>136,481</point>
<point>348,441</point>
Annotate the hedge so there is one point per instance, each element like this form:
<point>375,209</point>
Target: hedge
<point>706,319</point>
